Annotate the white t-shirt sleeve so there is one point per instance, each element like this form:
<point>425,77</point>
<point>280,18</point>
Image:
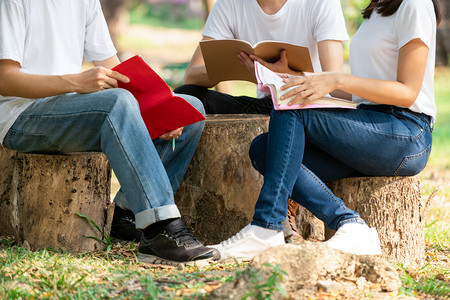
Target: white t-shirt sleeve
<point>218,24</point>
<point>98,44</point>
<point>328,21</point>
<point>12,31</point>
<point>416,20</point>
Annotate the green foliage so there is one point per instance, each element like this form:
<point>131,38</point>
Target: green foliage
<point>412,285</point>
<point>165,14</point>
<point>106,238</point>
<point>440,153</point>
<point>352,14</point>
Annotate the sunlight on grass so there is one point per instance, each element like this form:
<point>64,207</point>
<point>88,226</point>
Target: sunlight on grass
<point>437,231</point>
<point>49,274</point>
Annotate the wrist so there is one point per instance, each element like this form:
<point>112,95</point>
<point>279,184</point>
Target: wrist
<point>340,79</point>
<point>70,83</point>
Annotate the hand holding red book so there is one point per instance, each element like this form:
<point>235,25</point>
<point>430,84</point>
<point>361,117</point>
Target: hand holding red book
<point>160,109</point>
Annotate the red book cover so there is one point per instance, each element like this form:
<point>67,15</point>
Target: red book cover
<point>161,110</point>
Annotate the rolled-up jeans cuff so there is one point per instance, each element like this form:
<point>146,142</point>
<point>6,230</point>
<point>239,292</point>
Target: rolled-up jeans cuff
<point>152,215</point>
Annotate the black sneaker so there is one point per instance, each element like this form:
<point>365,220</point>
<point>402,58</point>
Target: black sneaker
<point>124,226</point>
<point>174,245</point>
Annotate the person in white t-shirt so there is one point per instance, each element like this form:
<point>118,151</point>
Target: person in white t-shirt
<point>316,24</point>
<point>48,106</point>
<point>392,60</point>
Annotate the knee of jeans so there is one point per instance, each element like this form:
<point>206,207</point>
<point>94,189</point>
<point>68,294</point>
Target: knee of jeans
<point>256,152</point>
<point>195,102</point>
<point>124,99</point>
<point>189,89</point>
<point>184,89</point>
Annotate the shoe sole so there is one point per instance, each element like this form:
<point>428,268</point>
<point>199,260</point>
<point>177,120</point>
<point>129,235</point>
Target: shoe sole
<point>155,260</point>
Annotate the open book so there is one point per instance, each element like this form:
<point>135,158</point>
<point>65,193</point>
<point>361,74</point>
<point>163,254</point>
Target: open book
<point>160,109</point>
<point>270,82</point>
<point>222,63</point>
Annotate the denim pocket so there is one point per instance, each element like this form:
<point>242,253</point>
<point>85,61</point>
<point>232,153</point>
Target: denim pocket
<point>414,124</point>
<point>27,142</point>
<point>413,164</point>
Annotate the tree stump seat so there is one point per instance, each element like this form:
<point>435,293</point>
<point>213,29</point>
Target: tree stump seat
<point>218,193</point>
<point>40,195</point>
<point>393,205</point>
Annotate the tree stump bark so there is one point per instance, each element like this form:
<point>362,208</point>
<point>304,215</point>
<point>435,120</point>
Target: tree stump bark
<point>393,206</point>
<point>218,193</point>
<point>46,192</point>
<point>310,228</point>
<point>7,186</point>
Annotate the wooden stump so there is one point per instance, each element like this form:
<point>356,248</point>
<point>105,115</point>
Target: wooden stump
<point>7,186</point>
<point>310,227</point>
<point>393,206</point>
<point>218,194</point>
<point>46,192</point>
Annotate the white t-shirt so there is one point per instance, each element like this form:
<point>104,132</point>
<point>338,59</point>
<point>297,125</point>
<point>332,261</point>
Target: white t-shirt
<point>49,37</point>
<point>300,22</point>
<point>375,48</point>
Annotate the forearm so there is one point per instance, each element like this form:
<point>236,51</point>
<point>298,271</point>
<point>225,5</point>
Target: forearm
<point>197,75</point>
<point>196,71</point>
<point>378,91</point>
<point>36,86</point>
<point>13,82</point>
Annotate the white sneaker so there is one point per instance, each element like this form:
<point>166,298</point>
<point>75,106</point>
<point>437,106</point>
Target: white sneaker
<point>356,238</point>
<point>246,245</point>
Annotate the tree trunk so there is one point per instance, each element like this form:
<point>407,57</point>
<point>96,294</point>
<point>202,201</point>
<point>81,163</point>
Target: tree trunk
<point>46,192</point>
<point>207,6</point>
<point>443,37</point>
<point>114,11</point>
<point>393,206</point>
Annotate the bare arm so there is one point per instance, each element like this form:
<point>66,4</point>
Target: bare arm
<point>331,56</point>
<point>196,70</point>
<point>401,92</point>
<point>13,82</point>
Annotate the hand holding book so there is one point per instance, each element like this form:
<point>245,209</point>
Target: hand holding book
<point>222,63</point>
<point>161,111</point>
<point>271,82</point>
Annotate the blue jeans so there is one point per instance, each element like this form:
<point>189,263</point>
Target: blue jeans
<point>305,148</point>
<point>110,121</point>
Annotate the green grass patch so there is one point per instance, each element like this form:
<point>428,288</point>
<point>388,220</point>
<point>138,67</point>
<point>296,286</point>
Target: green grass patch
<point>49,274</point>
<point>165,15</point>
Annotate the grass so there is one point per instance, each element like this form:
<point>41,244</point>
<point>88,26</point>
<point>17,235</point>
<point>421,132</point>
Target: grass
<point>48,274</point>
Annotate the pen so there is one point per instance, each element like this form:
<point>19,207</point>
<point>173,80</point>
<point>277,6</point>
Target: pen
<point>173,144</point>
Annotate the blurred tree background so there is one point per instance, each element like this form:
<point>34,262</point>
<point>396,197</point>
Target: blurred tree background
<point>191,14</point>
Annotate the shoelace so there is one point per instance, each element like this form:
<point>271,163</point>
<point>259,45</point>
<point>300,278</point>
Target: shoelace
<point>238,236</point>
<point>184,236</point>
